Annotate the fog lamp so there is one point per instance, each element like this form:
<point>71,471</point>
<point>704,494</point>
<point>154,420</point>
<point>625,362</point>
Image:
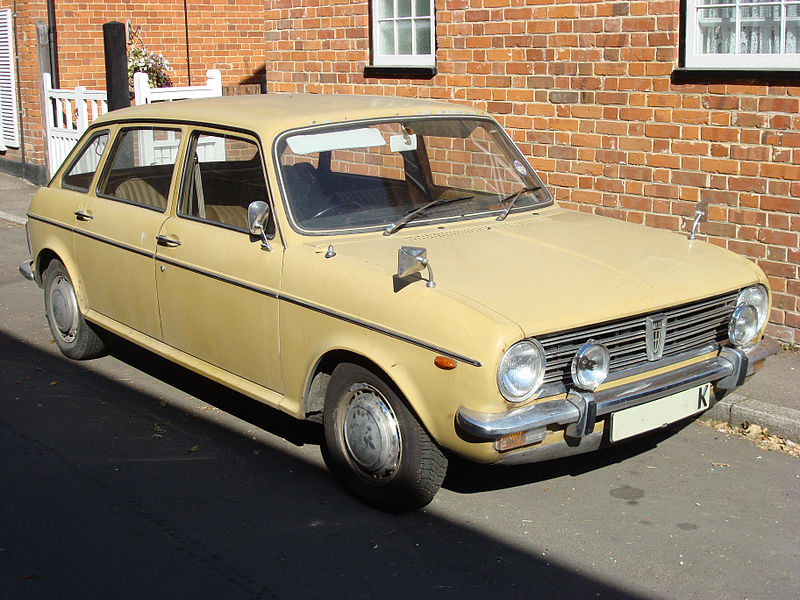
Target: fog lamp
<point>590,365</point>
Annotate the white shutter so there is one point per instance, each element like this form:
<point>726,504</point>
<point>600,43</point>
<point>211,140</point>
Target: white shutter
<point>8,81</point>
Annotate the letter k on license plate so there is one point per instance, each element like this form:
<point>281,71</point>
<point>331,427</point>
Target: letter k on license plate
<point>658,413</point>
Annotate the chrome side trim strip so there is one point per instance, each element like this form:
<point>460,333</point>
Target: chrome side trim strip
<point>381,330</point>
<point>278,295</point>
<point>247,286</point>
<point>316,308</point>
<point>50,222</point>
<point>120,245</point>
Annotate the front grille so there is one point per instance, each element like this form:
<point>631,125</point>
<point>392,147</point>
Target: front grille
<point>689,327</point>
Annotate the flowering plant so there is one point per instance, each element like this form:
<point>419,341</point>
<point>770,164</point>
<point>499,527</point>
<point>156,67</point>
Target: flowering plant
<point>155,65</point>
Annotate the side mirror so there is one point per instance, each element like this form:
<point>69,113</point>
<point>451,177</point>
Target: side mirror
<point>700,216</point>
<point>412,260</point>
<point>257,217</point>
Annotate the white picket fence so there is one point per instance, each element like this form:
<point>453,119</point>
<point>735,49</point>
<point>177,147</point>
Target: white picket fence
<point>70,112</point>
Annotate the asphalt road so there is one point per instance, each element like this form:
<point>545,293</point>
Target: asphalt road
<point>128,477</point>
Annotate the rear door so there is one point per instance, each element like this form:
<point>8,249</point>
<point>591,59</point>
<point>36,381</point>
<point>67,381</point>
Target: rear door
<point>116,229</point>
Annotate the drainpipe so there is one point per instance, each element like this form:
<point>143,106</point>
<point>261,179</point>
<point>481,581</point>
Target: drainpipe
<point>51,29</point>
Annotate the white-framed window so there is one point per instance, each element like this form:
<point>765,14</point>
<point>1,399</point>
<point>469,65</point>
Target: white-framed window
<point>403,33</point>
<point>743,34</point>
<point>9,123</point>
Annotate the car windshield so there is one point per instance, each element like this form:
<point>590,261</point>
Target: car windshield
<point>392,174</point>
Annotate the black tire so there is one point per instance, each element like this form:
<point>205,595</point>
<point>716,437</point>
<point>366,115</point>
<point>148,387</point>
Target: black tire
<point>73,336</point>
<point>375,445</point>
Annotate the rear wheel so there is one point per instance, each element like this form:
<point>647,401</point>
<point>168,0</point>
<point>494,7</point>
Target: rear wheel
<point>375,445</point>
<point>73,336</point>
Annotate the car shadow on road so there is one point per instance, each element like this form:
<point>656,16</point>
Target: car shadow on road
<point>110,492</point>
<point>467,477</point>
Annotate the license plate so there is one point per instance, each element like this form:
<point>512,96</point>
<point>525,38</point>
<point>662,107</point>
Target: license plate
<point>658,413</point>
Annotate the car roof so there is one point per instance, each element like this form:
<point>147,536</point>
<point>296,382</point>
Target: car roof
<point>270,114</point>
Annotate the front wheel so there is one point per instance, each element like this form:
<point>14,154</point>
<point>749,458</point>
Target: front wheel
<point>73,336</point>
<point>375,445</point>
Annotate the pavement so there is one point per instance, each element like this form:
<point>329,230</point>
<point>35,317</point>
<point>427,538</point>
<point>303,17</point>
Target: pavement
<point>770,399</point>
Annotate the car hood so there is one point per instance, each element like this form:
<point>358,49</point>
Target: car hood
<point>560,269</point>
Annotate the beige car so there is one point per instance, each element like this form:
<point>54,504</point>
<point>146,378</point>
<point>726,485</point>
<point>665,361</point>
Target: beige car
<point>394,269</point>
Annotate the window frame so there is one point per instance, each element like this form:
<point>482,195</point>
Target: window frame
<point>736,61</point>
<point>111,150</point>
<point>192,137</point>
<point>400,61</point>
<point>90,139</point>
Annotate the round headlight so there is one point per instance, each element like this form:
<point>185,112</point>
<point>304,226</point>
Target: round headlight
<point>743,326</point>
<point>521,370</point>
<point>590,365</point>
<point>757,297</point>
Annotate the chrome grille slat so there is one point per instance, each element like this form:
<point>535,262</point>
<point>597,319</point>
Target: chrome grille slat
<point>689,327</point>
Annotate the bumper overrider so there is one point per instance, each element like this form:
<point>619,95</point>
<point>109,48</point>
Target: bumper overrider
<point>579,411</point>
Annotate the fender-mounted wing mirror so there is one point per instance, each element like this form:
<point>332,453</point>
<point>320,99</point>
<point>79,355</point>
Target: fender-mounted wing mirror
<point>412,260</point>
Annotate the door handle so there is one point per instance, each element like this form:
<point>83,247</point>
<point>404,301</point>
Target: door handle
<point>168,240</point>
<point>83,216</point>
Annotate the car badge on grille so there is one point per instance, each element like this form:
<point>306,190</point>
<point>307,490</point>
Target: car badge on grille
<point>656,336</point>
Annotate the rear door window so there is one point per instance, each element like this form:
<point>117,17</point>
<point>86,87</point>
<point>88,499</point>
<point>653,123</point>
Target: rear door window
<point>139,169</point>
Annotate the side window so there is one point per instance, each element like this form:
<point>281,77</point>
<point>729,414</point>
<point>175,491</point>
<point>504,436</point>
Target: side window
<point>139,169</point>
<point>223,176</point>
<point>81,171</point>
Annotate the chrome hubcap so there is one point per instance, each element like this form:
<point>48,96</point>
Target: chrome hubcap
<point>64,308</point>
<point>371,432</point>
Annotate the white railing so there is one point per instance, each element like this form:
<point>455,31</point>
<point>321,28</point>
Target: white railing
<point>70,112</point>
<point>144,94</point>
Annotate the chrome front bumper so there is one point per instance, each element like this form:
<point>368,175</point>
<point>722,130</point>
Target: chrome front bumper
<point>580,410</point>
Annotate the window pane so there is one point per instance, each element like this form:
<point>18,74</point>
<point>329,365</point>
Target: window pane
<point>222,179</point>
<point>404,37</point>
<point>423,8</point>
<point>385,9</point>
<point>140,169</point>
<point>717,28</point>
<point>386,37</point>
<point>760,30</point>
<point>793,29</point>
<point>423,36</point>
<point>403,8</point>
<point>81,172</point>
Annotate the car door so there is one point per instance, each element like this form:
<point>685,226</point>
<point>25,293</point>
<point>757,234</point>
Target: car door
<point>217,285</point>
<point>116,228</point>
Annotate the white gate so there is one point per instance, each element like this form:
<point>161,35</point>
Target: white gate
<point>69,112</point>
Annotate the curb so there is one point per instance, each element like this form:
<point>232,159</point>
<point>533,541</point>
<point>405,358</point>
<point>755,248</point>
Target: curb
<point>735,409</point>
<point>13,218</point>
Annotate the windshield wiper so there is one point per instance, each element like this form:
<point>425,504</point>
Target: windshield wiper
<point>413,213</point>
<point>512,199</point>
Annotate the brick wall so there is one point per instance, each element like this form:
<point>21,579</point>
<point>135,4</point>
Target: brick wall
<point>585,89</point>
<point>223,35</point>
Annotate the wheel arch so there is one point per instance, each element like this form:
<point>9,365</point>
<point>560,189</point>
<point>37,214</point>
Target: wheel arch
<point>46,256</point>
<point>314,396</point>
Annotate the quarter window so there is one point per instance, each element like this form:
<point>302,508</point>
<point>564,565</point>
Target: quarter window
<point>140,167</point>
<point>403,33</point>
<point>81,172</point>
<point>743,34</point>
